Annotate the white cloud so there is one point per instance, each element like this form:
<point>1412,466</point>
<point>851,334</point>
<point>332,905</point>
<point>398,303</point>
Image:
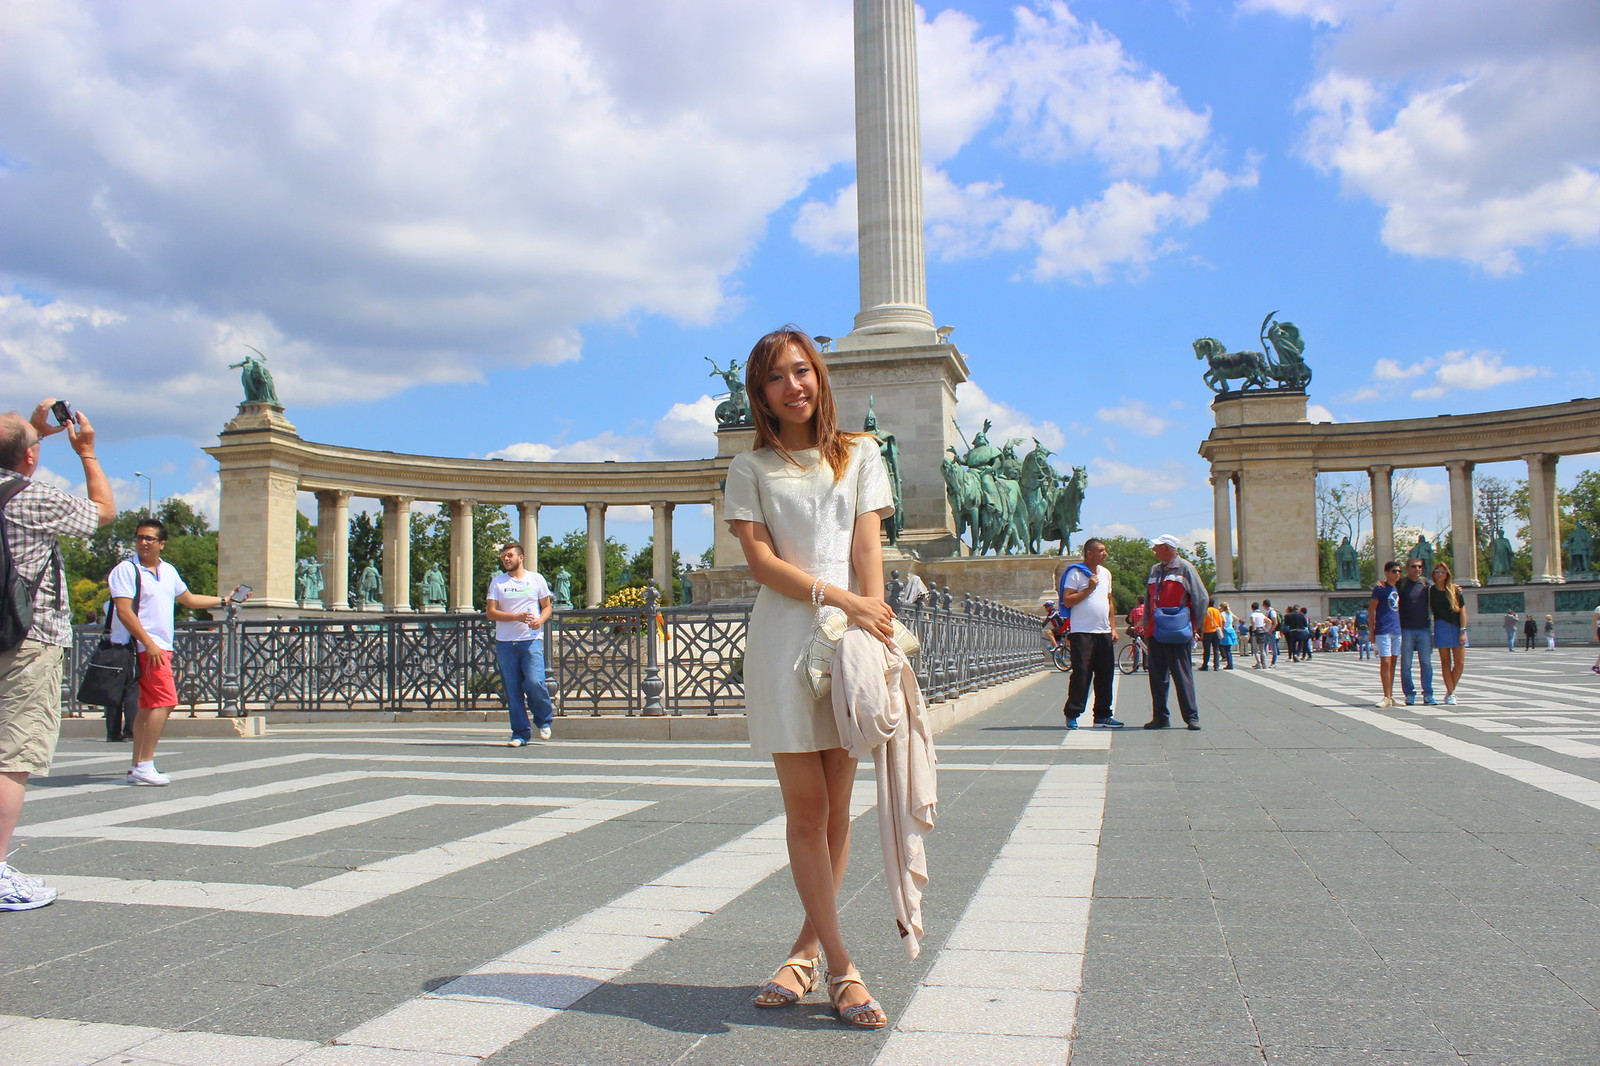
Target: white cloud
<point>686,431</point>
<point>1391,370</point>
<point>385,194</point>
<point>1454,370</point>
<point>1135,415</point>
<point>1469,122</point>
<point>974,407</point>
<point>1061,91</point>
<point>1134,480</point>
<point>1117,529</point>
<point>1315,412</point>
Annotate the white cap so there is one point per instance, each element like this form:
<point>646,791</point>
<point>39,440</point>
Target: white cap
<point>1168,539</point>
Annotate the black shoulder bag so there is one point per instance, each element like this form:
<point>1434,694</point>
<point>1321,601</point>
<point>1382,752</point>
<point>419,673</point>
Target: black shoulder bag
<point>112,667</point>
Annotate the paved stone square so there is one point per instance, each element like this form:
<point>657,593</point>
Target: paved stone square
<point>1307,880</point>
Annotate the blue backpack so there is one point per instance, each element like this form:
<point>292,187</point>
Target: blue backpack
<point>1061,590</point>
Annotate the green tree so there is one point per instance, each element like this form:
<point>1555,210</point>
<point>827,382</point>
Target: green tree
<point>572,552</point>
<point>305,537</point>
<point>181,518</point>
<point>491,530</point>
<point>430,544</point>
<point>1204,563</point>
<point>195,556</point>
<point>1129,559</point>
<point>366,546</point>
<point>641,568</point>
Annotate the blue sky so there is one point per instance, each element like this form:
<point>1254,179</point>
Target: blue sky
<point>517,229</point>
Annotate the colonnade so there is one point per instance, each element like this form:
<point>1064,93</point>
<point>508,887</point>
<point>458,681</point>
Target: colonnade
<point>333,525</point>
<point>1544,534</point>
<point>265,465</point>
<point>1265,457</point>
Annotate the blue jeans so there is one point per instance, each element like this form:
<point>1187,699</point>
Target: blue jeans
<point>522,673</point>
<point>1363,645</point>
<point>1421,642</point>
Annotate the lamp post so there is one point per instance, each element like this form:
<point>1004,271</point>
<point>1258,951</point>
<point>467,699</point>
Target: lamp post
<point>150,507</point>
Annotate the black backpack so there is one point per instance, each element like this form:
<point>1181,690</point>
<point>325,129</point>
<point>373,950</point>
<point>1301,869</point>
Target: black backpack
<point>16,593</point>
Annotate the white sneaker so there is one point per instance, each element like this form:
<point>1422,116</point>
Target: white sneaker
<point>544,732</point>
<point>1450,699</point>
<point>151,776</point>
<point>1385,702</point>
<point>19,892</point>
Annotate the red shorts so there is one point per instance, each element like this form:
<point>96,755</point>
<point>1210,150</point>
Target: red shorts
<point>156,687</point>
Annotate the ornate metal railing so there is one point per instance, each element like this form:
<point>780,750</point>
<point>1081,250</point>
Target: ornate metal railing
<point>615,661</point>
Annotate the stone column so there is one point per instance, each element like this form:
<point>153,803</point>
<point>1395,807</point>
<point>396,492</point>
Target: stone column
<point>661,552</point>
<point>596,590</point>
<point>1463,526</point>
<point>1242,560</point>
<point>528,511</point>
<point>889,170</point>
<point>1544,519</point>
<point>461,554</point>
<point>397,553</point>
<point>1382,515</point>
<point>333,548</point>
<point>1222,508</point>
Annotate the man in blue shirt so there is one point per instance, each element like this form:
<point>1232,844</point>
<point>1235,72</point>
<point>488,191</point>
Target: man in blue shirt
<point>1416,633</point>
<point>1384,610</point>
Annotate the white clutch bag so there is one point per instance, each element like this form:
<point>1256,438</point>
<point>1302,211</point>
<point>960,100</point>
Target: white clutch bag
<point>818,659</point>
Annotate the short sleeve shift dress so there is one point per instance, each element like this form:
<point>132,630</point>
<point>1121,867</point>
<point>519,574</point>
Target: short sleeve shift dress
<point>810,518</point>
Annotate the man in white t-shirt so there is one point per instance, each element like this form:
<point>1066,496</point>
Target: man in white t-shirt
<point>519,605</point>
<point>160,588</point>
<point>1092,638</point>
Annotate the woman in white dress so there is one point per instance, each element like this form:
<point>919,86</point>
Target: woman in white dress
<point>807,506</point>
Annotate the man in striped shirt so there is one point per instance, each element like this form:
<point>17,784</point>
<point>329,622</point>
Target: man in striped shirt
<point>30,673</point>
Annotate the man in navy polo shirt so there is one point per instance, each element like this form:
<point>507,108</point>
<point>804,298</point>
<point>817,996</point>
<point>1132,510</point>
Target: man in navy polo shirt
<point>1416,632</point>
<point>1384,610</point>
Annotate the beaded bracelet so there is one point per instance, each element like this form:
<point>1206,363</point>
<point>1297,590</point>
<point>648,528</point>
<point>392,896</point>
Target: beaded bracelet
<point>819,588</point>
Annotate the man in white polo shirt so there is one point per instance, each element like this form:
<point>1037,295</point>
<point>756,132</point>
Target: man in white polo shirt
<point>160,588</point>
<point>519,605</point>
<point>1085,591</point>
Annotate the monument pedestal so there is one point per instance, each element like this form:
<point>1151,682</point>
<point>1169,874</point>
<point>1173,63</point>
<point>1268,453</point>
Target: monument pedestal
<point>910,379</point>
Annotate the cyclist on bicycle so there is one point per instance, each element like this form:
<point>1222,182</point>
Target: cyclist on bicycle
<point>1136,628</point>
<point>1054,626</point>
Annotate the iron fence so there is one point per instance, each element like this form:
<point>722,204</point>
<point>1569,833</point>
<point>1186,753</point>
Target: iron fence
<point>609,661</point>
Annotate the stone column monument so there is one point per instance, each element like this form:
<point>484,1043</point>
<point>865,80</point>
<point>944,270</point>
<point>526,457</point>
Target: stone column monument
<point>894,352</point>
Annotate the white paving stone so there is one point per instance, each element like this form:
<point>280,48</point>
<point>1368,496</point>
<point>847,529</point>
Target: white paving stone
<point>1001,1011</point>
<point>457,1026</point>
<point>214,1049</point>
<point>951,1049</point>
<point>58,1042</point>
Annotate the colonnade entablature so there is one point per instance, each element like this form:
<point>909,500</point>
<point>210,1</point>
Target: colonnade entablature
<point>1265,456</point>
<point>264,465</point>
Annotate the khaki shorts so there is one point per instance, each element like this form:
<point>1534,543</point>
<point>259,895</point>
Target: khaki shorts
<point>30,707</point>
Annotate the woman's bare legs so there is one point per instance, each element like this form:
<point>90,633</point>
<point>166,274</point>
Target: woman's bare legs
<point>1451,663</point>
<point>816,790</point>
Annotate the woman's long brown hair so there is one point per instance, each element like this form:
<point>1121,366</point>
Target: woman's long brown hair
<point>1449,584</point>
<point>833,444</point>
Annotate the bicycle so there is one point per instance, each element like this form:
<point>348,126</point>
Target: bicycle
<point>1132,657</point>
<point>1061,656</point>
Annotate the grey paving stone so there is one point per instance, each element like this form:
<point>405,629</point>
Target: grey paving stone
<point>1350,1056</point>
<point>1511,1027</point>
<point>1173,1019</point>
<point>1323,1021</point>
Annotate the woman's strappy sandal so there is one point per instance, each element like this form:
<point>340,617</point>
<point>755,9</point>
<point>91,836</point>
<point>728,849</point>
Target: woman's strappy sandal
<point>772,994</point>
<point>868,1015</point>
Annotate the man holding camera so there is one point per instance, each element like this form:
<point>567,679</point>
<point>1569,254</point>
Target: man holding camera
<point>35,514</point>
<point>151,622</point>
